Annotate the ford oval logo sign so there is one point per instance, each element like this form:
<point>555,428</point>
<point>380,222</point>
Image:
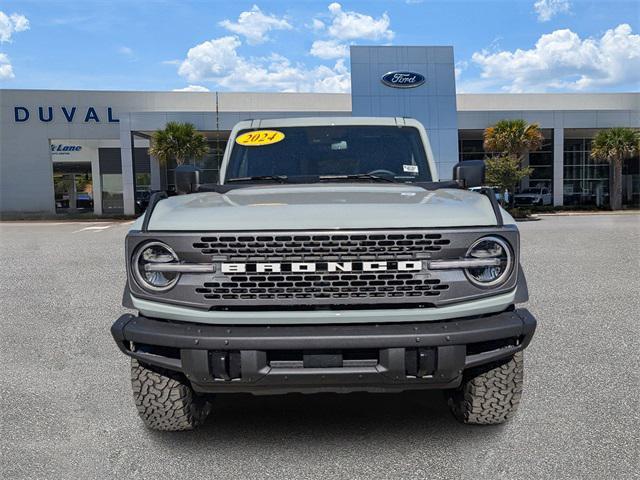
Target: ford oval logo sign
<point>402,79</point>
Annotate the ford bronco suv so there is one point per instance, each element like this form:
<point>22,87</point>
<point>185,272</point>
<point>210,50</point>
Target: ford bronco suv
<point>329,258</point>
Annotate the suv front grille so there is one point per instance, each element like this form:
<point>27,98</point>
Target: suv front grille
<point>321,286</point>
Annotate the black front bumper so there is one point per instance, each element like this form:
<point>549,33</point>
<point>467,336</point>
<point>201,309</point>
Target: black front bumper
<point>309,358</point>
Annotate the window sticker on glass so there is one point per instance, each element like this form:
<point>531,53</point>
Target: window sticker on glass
<point>259,138</point>
<point>410,168</point>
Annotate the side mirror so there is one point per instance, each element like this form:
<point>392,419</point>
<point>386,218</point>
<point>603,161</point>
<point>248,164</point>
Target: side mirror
<point>469,173</point>
<point>187,179</point>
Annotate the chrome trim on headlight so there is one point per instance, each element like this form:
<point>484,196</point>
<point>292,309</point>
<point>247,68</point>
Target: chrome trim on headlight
<point>180,267</point>
<point>463,263</point>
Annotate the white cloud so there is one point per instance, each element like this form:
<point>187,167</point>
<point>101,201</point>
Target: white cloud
<point>561,60</point>
<point>460,67</point>
<point>126,51</point>
<point>347,25</point>
<point>10,24</point>
<point>218,61</point>
<point>328,49</point>
<point>547,9</point>
<point>6,70</point>
<point>210,59</point>
<point>254,25</point>
<point>331,80</point>
<point>317,25</point>
<point>192,88</point>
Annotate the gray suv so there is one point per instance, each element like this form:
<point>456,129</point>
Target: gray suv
<point>329,258</point>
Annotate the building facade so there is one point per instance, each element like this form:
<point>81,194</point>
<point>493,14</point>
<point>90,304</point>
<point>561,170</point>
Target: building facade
<point>70,151</point>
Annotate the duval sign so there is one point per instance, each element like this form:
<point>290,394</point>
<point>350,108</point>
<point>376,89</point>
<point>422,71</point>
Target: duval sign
<point>402,79</point>
<point>65,113</point>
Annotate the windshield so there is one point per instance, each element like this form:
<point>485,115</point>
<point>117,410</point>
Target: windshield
<point>310,154</point>
<point>534,191</point>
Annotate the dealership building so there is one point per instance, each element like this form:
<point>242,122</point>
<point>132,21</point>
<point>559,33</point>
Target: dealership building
<point>69,151</point>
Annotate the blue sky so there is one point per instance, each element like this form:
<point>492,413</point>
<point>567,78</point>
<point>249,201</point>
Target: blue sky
<point>500,46</point>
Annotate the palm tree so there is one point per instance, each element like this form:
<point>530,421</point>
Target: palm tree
<point>178,141</point>
<point>513,137</point>
<point>615,145</point>
<point>510,141</point>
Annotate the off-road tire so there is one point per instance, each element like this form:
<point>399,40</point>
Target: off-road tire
<point>490,397</point>
<point>164,400</point>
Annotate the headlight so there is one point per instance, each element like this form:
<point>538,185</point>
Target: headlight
<point>490,248</point>
<point>149,267</point>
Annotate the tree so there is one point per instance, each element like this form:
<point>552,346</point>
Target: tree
<point>510,141</point>
<point>513,137</point>
<point>506,173</point>
<point>615,145</point>
<point>178,141</point>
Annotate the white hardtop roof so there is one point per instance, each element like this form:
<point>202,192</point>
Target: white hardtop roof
<point>320,121</point>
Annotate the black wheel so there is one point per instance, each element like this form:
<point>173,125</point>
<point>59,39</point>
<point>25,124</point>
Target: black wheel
<point>165,401</point>
<point>490,397</point>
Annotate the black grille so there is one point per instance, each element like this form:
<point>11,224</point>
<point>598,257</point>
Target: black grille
<point>322,286</point>
<point>278,286</point>
<point>339,247</point>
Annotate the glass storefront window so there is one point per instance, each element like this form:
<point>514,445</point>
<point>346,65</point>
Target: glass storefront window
<point>73,187</point>
<point>143,181</point>
<point>631,182</point>
<point>112,200</point>
<point>209,165</point>
<point>586,181</point>
<point>470,146</point>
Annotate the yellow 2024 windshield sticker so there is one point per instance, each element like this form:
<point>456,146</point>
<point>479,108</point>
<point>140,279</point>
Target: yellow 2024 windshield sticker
<point>259,138</point>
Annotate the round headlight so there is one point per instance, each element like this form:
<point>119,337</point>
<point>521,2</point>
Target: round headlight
<point>490,248</point>
<point>147,267</point>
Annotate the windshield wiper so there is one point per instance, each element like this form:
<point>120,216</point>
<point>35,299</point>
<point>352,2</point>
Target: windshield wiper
<point>260,178</point>
<point>358,176</point>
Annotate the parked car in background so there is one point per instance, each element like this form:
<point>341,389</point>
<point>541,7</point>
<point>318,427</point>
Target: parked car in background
<point>497,191</point>
<point>84,200</point>
<point>142,200</point>
<point>534,196</point>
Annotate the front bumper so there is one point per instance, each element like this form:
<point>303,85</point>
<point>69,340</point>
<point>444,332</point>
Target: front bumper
<point>313,358</point>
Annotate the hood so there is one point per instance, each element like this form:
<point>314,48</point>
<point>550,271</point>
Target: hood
<point>323,207</point>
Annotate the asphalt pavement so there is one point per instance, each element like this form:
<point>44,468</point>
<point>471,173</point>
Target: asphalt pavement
<point>66,409</point>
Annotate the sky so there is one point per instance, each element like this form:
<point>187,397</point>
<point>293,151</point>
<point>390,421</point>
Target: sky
<point>303,45</point>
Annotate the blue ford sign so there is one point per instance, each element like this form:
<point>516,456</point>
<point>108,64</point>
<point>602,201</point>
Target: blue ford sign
<point>403,79</point>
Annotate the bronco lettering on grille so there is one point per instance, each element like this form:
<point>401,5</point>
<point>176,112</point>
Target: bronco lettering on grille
<point>301,267</point>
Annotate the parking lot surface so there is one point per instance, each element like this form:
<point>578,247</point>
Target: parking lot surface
<point>66,408</point>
